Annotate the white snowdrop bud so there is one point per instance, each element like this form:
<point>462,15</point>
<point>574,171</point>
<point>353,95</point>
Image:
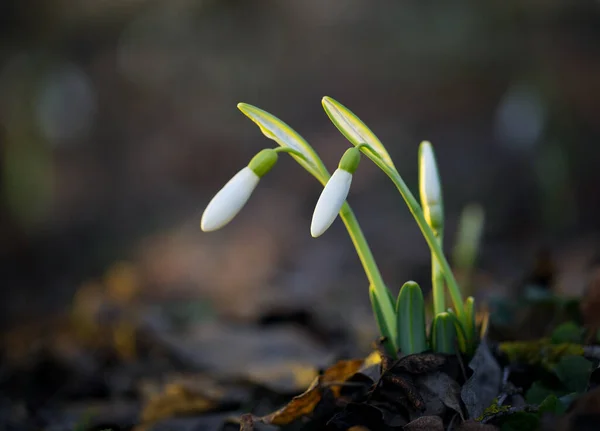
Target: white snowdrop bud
<point>234,195</point>
<point>430,188</point>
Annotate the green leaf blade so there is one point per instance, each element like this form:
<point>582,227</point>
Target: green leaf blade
<point>443,334</point>
<point>353,128</point>
<point>410,318</point>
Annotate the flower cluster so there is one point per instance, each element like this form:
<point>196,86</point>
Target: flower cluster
<point>401,322</point>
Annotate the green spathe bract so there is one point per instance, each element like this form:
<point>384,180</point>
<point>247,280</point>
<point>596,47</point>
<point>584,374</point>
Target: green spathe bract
<point>350,160</point>
<point>402,324</point>
<point>410,315</point>
<point>275,129</point>
<point>263,162</point>
<point>353,129</point>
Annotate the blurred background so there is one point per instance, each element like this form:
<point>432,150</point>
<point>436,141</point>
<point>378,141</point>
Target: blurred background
<point>118,123</point>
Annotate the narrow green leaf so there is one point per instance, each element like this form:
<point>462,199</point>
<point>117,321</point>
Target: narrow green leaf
<point>353,128</point>
<point>275,129</point>
<point>443,336</point>
<point>460,332</point>
<point>380,318</point>
<point>410,318</point>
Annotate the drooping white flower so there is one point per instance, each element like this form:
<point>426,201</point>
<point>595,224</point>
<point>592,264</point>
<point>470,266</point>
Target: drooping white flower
<point>430,188</point>
<point>335,192</point>
<point>234,195</point>
<point>229,200</point>
<point>330,202</point>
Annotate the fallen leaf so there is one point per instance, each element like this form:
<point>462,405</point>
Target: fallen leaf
<point>284,378</point>
<point>340,372</point>
<point>442,387</point>
<point>425,423</point>
<point>299,406</point>
<point>480,390</point>
<point>403,385</point>
<point>305,403</point>
<point>176,400</point>
<point>247,422</point>
<point>472,425</point>
<point>419,363</point>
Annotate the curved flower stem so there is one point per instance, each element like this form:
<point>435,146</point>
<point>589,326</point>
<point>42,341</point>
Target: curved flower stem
<point>367,260</point>
<point>432,241</point>
<point>372,271</point>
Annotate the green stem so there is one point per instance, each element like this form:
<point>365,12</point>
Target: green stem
<point>366,258</point>
<point>371,270</point>
<point>430,238</point>
<point>437,283</point>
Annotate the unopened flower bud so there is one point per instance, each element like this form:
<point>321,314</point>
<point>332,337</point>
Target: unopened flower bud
<point>430,188</point>
<point>334,194</point>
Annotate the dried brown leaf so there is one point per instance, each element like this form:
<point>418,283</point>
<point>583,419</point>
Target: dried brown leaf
<point>299,406</point>
<point>305,403</point>
<point>440,387</point>
<point>174,401</point>
<point>340,372</point>
<point>420,363</point>
<point>408,388</point>
<point>247,422</point>
<point>425,423</point>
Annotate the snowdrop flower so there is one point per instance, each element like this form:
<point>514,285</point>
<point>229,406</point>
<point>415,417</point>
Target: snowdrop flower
<point>234,195</point>
<point>430,188</point>
<point>334,194</point>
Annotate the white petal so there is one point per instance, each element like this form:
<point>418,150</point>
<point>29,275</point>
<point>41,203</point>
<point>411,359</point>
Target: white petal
<point>330,202</point>
<point>430,180</point>
<point>229,201</point>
